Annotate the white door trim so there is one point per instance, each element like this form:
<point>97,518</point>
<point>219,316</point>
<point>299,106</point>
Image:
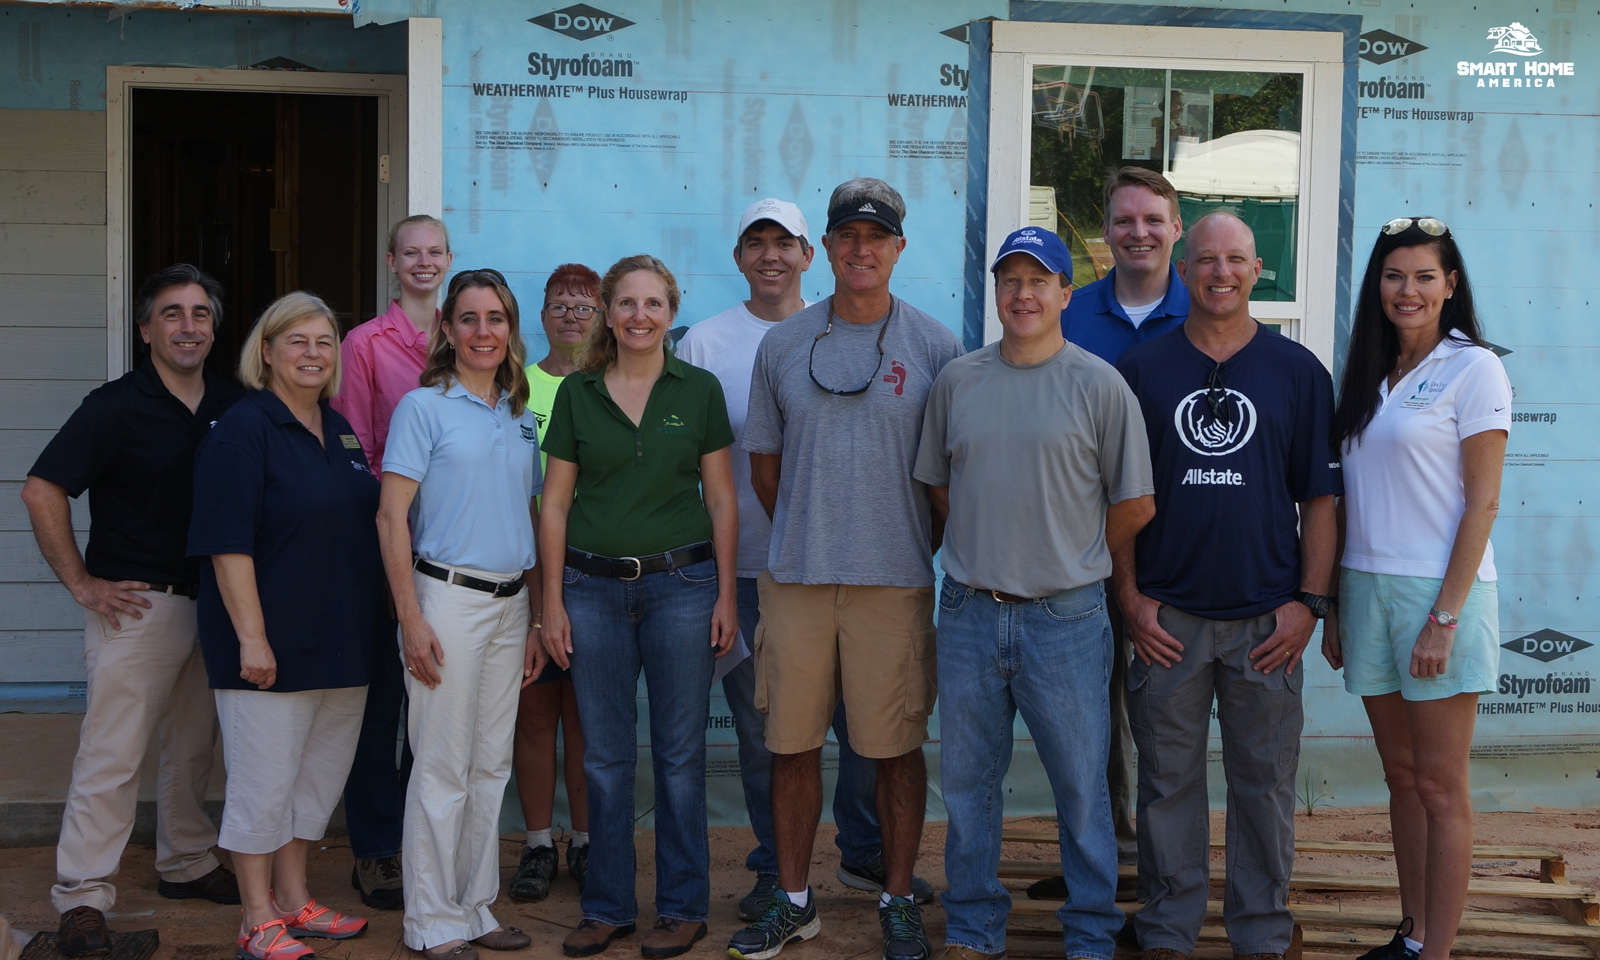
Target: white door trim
<point>393,124</point>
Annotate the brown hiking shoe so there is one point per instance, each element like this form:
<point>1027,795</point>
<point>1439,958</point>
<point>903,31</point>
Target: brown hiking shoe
<point>591,937</point>
<point>669,938</point>
<point>83,933</point>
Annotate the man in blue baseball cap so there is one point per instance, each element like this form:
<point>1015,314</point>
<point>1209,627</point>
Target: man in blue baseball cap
<point>1022,613</point>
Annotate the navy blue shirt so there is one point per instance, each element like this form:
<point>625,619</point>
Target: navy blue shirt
<point>307,512</point>
<point>1225,540</point>
<point>1095,321</point>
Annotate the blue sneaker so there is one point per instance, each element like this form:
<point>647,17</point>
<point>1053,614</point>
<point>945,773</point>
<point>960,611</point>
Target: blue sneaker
<point>780,924</point>
<point>903,936</point>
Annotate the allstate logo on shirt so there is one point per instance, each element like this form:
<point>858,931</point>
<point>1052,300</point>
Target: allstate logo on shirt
<point>1213,436</point>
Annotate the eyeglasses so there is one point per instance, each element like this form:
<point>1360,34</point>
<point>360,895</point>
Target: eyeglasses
<point>1217,397</point>
<point>479,275</point>
<point>812,360</point>
<point>582,311</point>
<point>1428,225</point>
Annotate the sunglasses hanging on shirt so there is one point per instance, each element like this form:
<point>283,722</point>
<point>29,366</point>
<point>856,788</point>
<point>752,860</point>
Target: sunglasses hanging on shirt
<point>811,362</point>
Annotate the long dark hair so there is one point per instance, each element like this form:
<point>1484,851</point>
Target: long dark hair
<point>1374,344</point>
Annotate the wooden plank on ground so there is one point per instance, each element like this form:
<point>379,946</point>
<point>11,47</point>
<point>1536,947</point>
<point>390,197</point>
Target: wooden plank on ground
<point>1481,852</point>
<point>1046,943</point>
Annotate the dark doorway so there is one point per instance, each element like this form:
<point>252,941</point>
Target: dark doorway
<point>267,192</point>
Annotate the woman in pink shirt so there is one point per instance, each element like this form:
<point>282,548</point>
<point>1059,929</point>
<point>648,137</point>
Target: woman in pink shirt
<point>382,360</point>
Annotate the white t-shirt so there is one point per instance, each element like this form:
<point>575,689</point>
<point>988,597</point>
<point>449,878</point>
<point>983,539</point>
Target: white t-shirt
<point>1404,495</point>
<point>726,345</point>
<point>1138,314</point>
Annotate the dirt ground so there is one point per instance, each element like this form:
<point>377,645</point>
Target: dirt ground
<point>196,930</point>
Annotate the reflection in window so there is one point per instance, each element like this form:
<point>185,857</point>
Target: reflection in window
<point>1228,140</point>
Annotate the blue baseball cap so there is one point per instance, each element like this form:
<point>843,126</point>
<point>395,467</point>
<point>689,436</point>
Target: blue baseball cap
<point>1040,244</point>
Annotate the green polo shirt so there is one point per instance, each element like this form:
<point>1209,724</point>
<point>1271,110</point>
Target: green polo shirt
<point>638,487</point>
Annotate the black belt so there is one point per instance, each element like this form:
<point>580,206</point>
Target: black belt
<point>1004,597</point>
<point>632,568</point>
<point>509,588</point>
<point>190,590</point>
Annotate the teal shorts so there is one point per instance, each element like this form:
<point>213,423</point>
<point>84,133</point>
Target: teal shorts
<point>1380,616</point>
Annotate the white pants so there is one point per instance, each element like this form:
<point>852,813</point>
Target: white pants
<point>288,756</point>
<point>461,734</point>
<point>145,678</point>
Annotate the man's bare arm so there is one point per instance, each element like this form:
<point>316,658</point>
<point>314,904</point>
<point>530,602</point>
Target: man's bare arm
<point>765,470</point>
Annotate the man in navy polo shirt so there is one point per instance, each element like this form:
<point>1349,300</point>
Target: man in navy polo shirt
<point>1140,299</point>
<point>1218,595</point>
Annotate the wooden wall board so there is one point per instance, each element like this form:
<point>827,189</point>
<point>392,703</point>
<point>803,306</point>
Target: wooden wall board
<point>44,656</point>
<point>53,140</point>
<point>21,562</point>
<point>42,404</point>
<point>54,249</point>
<point>18,450</point>
<point>52,353</point>
<point>31,300</point>
<point>14,516</point>
<point>52,196</point>
<point>27,607</point>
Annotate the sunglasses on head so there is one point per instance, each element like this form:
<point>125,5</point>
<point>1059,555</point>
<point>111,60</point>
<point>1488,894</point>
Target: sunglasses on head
<point>1428,225</point>
<point>484,273</point>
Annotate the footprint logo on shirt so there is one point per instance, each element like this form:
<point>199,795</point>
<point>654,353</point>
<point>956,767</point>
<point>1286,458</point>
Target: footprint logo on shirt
<point>896,376</point>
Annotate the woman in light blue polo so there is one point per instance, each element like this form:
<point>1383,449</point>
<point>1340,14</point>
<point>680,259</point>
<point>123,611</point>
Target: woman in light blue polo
<point>1423,417</point>
<point>461,470</point>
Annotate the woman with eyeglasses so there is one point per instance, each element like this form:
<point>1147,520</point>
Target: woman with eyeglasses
<point>571,301</point>
<point>456,520</point>
<point>639,572</point>
<point>1423,416</point>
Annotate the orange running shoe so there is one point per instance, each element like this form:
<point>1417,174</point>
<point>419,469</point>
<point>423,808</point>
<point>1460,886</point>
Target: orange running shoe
<point>314,920</point>
<point>271,941</point>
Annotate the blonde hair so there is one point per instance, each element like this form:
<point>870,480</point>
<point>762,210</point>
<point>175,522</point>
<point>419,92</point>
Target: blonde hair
<point>511,376</point>
<point>280,315</point>
<point>415,220</point>
<point>599,347</point>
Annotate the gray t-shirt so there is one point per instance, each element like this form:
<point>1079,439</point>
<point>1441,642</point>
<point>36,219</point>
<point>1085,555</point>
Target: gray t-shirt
<point>1032,456</point>
<point>848,509</point>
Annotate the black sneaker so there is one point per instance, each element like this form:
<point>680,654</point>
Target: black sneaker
<point>218,886</point>
<point>871,876</point>
<point>903,936</point>
<point>1396,948</point>
<point>577,864</point>
<point>379,883</point>
<point>780,924</point>
<point>751,906</point>
<point>534,873</point>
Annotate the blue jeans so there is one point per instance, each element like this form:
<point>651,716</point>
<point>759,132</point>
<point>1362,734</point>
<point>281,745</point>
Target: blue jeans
<point>662,623</point>
<point>375,793</point>
<point>855,809</point>
<point>1050,659</point>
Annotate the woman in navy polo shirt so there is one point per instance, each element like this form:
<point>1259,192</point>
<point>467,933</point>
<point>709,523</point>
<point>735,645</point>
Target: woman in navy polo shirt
<point>461,470</point>
<point>291,594</point>
<point>634,436</point>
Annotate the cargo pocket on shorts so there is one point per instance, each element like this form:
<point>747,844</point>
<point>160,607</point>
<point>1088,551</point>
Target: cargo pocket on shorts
<point>922,674</point>
<point>756,650</point>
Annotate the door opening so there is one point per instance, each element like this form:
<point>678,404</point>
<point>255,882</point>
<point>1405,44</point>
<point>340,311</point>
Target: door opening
<point>267,192</point>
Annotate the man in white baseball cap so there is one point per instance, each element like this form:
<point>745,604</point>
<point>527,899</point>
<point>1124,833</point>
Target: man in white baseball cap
<point>773,250</point>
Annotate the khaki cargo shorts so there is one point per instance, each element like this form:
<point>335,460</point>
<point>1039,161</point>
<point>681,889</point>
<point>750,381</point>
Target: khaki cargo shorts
<point>872,645</point>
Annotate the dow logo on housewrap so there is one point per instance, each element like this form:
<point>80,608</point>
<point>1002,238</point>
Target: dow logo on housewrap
<point>1546,645</point>
<point>581,22</point>
<point>1381,46</point>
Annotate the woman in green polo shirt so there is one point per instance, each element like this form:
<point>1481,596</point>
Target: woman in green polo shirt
<point>571,302</point>
<point>639,573</point>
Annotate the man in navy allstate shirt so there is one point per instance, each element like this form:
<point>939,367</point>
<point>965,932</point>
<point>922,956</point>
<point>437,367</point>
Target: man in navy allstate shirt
<point>1222,591</point>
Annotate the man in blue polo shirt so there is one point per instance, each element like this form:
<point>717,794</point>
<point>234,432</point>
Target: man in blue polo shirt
<point>1140,299</point>
<point>1219,595</point>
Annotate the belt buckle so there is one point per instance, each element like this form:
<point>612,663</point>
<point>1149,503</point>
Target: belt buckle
<point>997,597</point>
<point>638,569</point>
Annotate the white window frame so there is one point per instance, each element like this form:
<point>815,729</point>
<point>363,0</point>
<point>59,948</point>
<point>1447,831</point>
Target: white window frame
<point>1019,46</point>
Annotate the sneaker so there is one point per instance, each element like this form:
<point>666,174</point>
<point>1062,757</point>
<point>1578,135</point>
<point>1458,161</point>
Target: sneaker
<point>780,924</point>
<point>1396,948</point>
<point>903,936</point>
<point>271,941</point>
<point>218,886</point>
<point>378,881</point>
<point>670,938</point>
<point>578,864</point>
<point>315,920</point>
<point>534,873</point>
<point>83,933</point>
<point>755,901</point>
<point>871,876</point>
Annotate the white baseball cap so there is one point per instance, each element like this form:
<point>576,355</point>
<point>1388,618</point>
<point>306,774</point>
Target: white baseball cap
<point>781,212</point>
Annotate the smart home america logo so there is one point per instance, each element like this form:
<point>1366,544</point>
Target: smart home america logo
<point>1515,40</point>
<point>581,22</point>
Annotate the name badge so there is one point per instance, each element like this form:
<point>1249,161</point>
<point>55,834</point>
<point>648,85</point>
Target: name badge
<point>1417,402</point>
<point>350,442</point>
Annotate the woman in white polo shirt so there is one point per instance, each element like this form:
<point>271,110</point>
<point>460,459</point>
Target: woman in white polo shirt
<point>1423,417</point>
<point>461,470</point>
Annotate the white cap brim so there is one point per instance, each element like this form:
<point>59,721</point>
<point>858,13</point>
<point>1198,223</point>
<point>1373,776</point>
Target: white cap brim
<point>781,212</point>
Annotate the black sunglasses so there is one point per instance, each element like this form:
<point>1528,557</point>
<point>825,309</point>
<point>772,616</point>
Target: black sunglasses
<point>1217,397</point>
<point>811,362</point>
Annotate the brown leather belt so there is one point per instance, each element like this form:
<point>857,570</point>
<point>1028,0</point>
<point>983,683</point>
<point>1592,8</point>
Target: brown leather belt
<point>1004,597</point>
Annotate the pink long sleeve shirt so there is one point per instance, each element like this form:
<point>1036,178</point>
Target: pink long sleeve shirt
<point>382,360</point>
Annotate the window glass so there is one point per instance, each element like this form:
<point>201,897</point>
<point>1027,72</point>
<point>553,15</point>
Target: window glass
<point>1228,140</point>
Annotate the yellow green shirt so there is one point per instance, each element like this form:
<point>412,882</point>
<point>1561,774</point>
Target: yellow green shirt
<point>541,398</point>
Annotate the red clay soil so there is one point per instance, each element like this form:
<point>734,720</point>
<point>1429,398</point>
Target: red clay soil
<point>196,930</point>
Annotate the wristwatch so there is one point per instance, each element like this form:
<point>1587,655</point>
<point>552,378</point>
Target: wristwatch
<point>1319,605</point>
<point>1443,618</point>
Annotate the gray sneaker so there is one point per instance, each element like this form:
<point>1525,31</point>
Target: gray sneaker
<point>871,876</point>
<point>780,924</point>
<point>756,900</point>
<point>379,882</point>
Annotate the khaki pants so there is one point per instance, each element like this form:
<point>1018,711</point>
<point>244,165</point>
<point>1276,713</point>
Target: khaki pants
<point>144,678</point>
